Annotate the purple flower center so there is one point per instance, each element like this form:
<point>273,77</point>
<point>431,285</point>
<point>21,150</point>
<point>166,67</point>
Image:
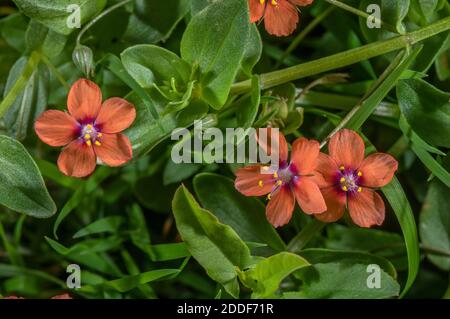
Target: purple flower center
<point>283,177</point>
<point>90,134</point>
<point>349,180</point>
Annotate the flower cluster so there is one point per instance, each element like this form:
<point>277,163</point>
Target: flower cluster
<point>323,185</point>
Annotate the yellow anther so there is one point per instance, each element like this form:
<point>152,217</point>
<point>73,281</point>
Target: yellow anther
<point>342,180</point>
<point>274,2</point>
<point>89,126</point>
<point>260,183</point>
<point>269,197</point>
<point>262,1</point>
<point>88,143</point>
<point>279,182</point>
<point>359,173</point>
<point>359,189</point>
<point>275,175</point>
<point>87,136</point>
<point>99,135</point>
<point>344,188</point>
<point>342,168</point>
<point>98,143</point>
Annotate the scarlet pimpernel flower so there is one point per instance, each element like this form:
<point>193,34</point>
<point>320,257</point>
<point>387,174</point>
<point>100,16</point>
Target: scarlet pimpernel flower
<point>292,180</point>
<point>349,180</point>
<point>280,16</point>
<point>90,130</point>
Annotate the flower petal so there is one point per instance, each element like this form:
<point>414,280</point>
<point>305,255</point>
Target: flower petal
<point>378,170</point>
<point>308,195</point>
<point>250,182</point>
<point>264,138</point>
<point>115,149</point>
<point>326,171</point>
<point>115,115</point>
<point>256,10</point>
<point>64,296</point>
<point>281,19</point>
<point>304,155</point>
<point>335,202</point>
<point>84,100</point>
<point>280,207</point>
<point>77,159</point>
<point>347,149</point>
<point>366,208</point>
<point>56,128</point>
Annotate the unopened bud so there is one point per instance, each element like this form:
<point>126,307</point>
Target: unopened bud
<point>83,57</point>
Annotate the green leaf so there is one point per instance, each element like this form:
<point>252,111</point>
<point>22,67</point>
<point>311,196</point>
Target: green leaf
<point>421,149</point>
<point>175,173</point>
<point>265,278</point>
<point>30,103</point>
<point>55,15</point>
<point>139,232</point>
<point>217,48</point>
<point>392,13</point>
<point>434,225</point>
<point>344,281</point>
<point>84,189</point>
<point>399,203</point>
<point>324,256</point>
<point>404,60</point>
<point>40,38</point>
<point>149,64</point>
<point>108,224</point>
<point>379,242</point>
<point>22,188</point>
<point>13,31</point>
<point>90,253</point>
<point>426,109</point>
<point>214,245</point>
<point>128,283</point>
<point>164,252</point>
<point>246,215</point>
<point>146,132</point>
<point>252,52</point>
<point>248,107</point>
<point>154,21</point>
<point>153,185</point>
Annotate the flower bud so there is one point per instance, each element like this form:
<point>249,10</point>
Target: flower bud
<point>83,58</point>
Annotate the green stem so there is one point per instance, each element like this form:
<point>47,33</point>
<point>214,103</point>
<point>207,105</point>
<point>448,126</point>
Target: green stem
<point>355,109</point>
<point>344,59</point>
<point>99,17</point>
<point>299,38</point>
<point>362,14</point>
<point>303,237</point>
<point>20,83</point>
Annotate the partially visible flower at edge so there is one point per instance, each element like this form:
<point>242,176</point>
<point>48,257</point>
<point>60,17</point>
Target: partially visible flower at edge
<point>349,180</point>
<point>291,181</point>
<point>63,296</point>
<point>280,16</point>
<point>90,130</point>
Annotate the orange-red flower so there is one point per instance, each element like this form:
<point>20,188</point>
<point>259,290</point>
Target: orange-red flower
<point>349,180</point>
<point>280,16</point>
<point>89,131</point>
<point>290,181</point>
<point>64,296</point>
